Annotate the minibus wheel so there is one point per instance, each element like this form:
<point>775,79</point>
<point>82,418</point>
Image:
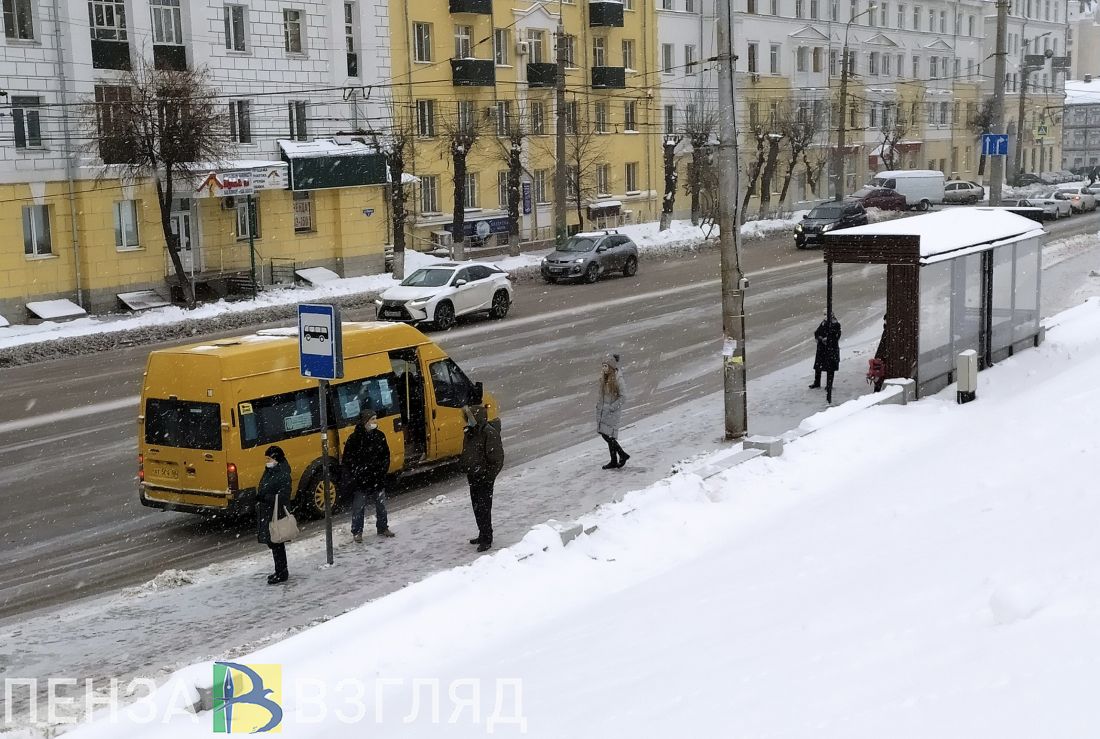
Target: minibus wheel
<point>311,501</point>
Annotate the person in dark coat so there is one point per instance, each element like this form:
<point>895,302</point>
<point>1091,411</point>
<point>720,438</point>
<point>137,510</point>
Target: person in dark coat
<point>364,469</point>
<point>609,408</point>
<point>482,460</point>
<point>274,485</point>
<point>827,358</point>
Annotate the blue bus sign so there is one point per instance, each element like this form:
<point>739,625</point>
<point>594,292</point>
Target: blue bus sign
<point>995,144</point>
<point>320,342</point>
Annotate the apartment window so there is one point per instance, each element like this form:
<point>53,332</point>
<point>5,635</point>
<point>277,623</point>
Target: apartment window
<point>833,56</point>
<point>943,21</point>
<point>126,225</point>
<point>689,116</point>
<point>628,4</point>
<point>502,40</point>
<point>901,65</point>
<point>429,194</point>
<point>943,114</point>
<point>901,17</point>
<point>815,9</point>
<point>969,27</point>
<point>798,8</point>
<point>425,117</point>
<point>933,67</point>
<point>887,64</point>
<point>538,118</point>
<point>689,7</point>
<point>872,120</point>
<point>465,110</point>
<point>916,17</point>
<point>36,230</point>
<point>240,122</point>
<point>931,19</point>
<point>752,60</point>
<point>472,198</point>
<point>571,116</point>
<point>916,67</point>
<point>668,58</point>
<point>632,177</point>
<point>248,219</point>
<point>504,117</point>
<point>351,41</point>
<point>601,117</point>
<point>536,39</point>
<point>834,11</point>
<point>670,118</point>
<point>599,51</point>
<point>853,115</point>
<point>853,9</point>
<point>884,10</point>
<point>422,42</point>
<point>630,116</point>
<point>502,188</point>
<point>107,20</point>
<point>292,31</point>
<point>18,20</point>
<point>872,63</point>
<point>303,212</point>
<point>628,53</point>
<point>113,145</point>
<point>754,114</point>
<point>28,126</point>
<point>603,179</point>
<point>689,59</point>
<point>538,185</point>
<point>751,7</point>
<point>570,51</point>
<point>800,59</point>
<point>464,43</point>
<point>666,4</point>
<point>872,15</point>
<point>296,111</point>
<point>167,23</point>
<point>235,26</point>
<point>773,59</point>
<point>955,112</point>
<point>956,70</point>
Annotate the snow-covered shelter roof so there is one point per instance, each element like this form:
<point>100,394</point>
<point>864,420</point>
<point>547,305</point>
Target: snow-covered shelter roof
<point>950,233</point>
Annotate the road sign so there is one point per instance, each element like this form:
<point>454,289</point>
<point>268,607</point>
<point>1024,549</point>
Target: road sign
<point>1041,131</point>
<point>483,229</point>
<point>995,144</point>
<point>320,342</point>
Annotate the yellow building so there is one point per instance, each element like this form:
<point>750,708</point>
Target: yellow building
<point>464,66</point>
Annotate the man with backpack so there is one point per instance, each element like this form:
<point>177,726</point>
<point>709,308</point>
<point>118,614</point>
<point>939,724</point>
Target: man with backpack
<point>482,459</point>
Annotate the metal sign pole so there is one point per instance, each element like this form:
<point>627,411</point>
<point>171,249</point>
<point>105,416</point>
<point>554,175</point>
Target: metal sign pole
<point>322,389</point>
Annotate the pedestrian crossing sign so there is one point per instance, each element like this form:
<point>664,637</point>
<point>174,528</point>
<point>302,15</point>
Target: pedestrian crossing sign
<point>1040,131</point>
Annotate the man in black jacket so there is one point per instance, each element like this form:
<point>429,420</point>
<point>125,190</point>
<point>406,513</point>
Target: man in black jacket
<point>482,460</point>
<point>365,464</point>
<point>827,357</point>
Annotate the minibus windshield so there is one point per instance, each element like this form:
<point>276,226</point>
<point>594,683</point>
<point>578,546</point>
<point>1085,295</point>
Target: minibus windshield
<point>183,424</point>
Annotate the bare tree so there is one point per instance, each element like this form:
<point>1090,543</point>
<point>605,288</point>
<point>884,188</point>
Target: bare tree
<point>584,150</point>
<point>161,125</point>
<point>668,202</point>
<point>981,122</point>
<point>397,145</point>
<point>894,127</point>
<point>699,130</point>
<point>511,134</point>
<point>774,139</point>
<point>800,126</point>
<point>757,130</point>
<point>461,134</point>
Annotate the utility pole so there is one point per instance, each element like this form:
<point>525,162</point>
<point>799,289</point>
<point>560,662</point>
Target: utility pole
<point>729,225</point>
<point>842,130</point>
<point>1026,70</point>
<point>997,166</point>
<point>560,226</point>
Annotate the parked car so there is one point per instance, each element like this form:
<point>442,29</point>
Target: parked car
<point>440,293</point>
<point>879,197</point>
<point>828,217</point>
<point>1052,208</point>
<point>922,188</point>
<point>1080,198</point>
<point>588,256</point>
<point>960,191</point>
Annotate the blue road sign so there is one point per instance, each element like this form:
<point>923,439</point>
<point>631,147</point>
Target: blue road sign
<point>320,342</point>
<point>995,144</point>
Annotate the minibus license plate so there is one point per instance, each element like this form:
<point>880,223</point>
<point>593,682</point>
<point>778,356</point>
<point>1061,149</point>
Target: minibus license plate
<point>164,471</point>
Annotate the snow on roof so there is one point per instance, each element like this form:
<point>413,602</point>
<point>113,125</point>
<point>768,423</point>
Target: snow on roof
<point>52,309</point>
<point>949,231</point>
<point>910,173</point>
<point>325,148</point>
<point>606,204</point>
<point>1079,92</point>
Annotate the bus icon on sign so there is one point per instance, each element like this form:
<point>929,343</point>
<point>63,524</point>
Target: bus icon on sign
<point>319,333</point>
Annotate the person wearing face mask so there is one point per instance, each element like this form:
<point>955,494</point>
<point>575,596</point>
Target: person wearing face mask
<point>482,460</point>
<point>609,407</point>
<point>274,489</point>
<point>364,466</point>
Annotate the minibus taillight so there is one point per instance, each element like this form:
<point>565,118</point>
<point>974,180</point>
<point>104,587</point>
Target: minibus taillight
<point>141,468</point>
<point>231,476</point>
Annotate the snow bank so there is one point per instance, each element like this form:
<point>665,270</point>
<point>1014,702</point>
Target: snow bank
<point>942,585</point>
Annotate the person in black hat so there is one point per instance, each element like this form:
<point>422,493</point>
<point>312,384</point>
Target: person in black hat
<point>274,485</point>
<point>827,356</point>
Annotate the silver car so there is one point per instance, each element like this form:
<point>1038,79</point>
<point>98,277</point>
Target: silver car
<point>588,256</point>
<point>960,191</point>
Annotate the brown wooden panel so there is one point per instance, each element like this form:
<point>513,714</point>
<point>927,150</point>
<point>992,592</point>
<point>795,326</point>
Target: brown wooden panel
<point>872,249</point>
<point>902,324</point>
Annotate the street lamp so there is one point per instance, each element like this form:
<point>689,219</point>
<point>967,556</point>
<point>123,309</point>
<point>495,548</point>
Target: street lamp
<point>838,164</point>
<point>1025,72</point>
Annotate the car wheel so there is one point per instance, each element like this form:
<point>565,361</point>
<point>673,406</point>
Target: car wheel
<point>501,303</point>
<point>444,315</point>
<point>631,267</point>
<point>592,273</point>
<point>925,205</point>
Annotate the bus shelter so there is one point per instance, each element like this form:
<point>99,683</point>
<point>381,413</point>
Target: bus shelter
<point>957,279</point>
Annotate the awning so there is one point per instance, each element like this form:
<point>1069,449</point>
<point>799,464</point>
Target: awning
<point>497,225</point>
<point>331,163</point>
<point>238,178</point>
<point>51,310</point>
<point>143,300</point>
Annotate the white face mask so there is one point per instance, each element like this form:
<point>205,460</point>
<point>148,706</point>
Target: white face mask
<point>372,425</point>
<point>270,463</point>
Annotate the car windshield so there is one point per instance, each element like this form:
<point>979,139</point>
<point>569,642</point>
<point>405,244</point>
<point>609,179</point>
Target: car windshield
<point>826,211</point>
<point>578,243</point>
<point>863,192</point>
<point>428,278</point>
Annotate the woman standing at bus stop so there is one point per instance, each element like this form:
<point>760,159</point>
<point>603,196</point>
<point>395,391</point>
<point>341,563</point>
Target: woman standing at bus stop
<point>272,497</point>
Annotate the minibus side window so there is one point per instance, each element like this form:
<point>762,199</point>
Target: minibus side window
<point>377,393</point>
<point>279,417</point>
<point>452,388</point>
<point>183,424</point>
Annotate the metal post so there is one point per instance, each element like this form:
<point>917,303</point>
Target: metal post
<point>560,225</point>
<point>842,130</point>
<point>322,389</point>
<point>1018,163</point>
<point>997,166</point>
<point>252,242</point>
<point>729,224</point>
<point>829,288</point>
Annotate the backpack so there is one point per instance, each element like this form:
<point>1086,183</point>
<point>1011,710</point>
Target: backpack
<point>876,372</point>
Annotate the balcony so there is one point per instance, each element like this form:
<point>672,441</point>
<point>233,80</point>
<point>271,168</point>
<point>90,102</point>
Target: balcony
<point>170,57</point>
<point>473,72</point>
<point>605,14</point>
<point>480,7</point>
<point>110,54</point>
<point>541,74</point>
<point>609,78</point>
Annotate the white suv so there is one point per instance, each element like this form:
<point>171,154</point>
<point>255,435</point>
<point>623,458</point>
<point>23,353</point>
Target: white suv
<point>439,293</point>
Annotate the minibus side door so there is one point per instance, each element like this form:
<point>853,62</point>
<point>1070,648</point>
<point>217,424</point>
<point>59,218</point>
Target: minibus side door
<point>451,391</point>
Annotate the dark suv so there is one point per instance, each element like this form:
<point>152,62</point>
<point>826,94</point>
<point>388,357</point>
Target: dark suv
<point>827,217</point>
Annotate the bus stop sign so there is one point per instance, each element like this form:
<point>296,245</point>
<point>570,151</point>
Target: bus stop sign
<point>320,342</point>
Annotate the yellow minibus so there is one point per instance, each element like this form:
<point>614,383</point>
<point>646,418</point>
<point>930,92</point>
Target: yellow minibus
<point>209,410</point>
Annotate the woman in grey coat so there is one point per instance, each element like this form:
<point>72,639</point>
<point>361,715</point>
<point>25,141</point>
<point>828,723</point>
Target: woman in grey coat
<point>609,406</point>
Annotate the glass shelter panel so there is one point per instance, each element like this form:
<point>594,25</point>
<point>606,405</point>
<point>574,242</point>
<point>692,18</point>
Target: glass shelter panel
<point>1025,314</point>
<point>966,302</point>
<point>1002,297</point>
<point>936,355</point>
